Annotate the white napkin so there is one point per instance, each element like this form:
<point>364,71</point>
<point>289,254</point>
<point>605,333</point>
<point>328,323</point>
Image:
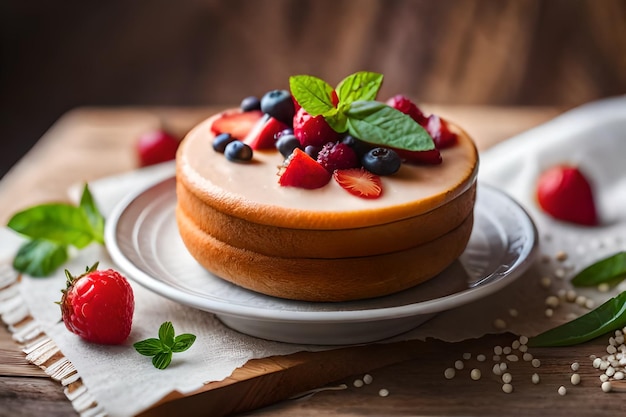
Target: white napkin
<point>125,383</point>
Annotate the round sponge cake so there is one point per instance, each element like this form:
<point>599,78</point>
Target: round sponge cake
<point>323,244</point>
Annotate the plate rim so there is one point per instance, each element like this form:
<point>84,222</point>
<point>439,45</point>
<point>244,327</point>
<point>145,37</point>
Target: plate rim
<point>218,307</point>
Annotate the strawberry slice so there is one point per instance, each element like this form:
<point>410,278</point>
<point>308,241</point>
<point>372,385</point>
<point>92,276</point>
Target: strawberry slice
<point>440,132</point>
<point>262,135</point>
<point>430,157</point>
<point>300,170</point>
<point>238,124</point>
<point>564,193</point>
<point>359,182</point>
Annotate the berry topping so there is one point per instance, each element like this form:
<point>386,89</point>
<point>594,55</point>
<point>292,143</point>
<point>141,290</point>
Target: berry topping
<point>237,151</point>
<point>263,135</point>
<point>382,161</point>
<point>406,106</point>
<point>155,147</point>
<point>250,103</point>
<point>98,306</point>
<point>337,155</point>
<point>279,105</point>
<point>431,157</point>
<point>300,170</point>
<point>312,151</point>
<point>359,182</point>
<point>286,143</point>
<point>564,193</point>
<point>221,140</point>
<point>440,132</point>
<point>312,130</point>
<point>238,124</point>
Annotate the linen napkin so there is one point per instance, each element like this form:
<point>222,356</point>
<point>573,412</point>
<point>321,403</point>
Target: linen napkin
<point>123,383</point>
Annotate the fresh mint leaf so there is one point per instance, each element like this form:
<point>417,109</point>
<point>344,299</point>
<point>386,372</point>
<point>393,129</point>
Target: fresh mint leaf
<point>608,317</point>
<point>608,270</point>
<point>337,120</point>
<point>95,219</point>
<point>183,342</point>
<point>39,258</point>
<point>61,223</point>
<point>312,93</point>
<point>377,123</point>
<point>360,86</point>
<point>161,349</point>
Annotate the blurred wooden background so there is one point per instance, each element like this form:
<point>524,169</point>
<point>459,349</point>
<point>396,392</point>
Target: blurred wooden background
<point>58,55</point>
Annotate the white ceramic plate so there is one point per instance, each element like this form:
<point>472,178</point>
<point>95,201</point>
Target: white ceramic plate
<point>142,238</point>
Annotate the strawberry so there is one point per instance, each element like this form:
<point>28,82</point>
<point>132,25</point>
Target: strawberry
<point>238,124</point>
<point>263,134</point>
<point>156,146</point>
<point>300,170</point>
<point>430,157</point>
<point>337,155</point>
<point>406,106</point>
<point>564,193</point>
<point>98,306</point>
<point>313,131</point>
<point>359,182</point>
<point>440,132</point>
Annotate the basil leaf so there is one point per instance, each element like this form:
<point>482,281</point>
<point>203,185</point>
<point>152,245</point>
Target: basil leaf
<point>609,270</point>
<point>61,223</point>
<point>95,219</point>
<point>377,123</point>
<point>609,316</point>
<point>166,334</point>
<point>162,360</point>
<point>312,93</point>
<point>149,347</point>
<point>183,342</point>
<point>360,86</point>
<point>39,258</point>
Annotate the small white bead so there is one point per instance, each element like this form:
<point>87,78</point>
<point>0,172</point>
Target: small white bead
<point>358,383</point>
<point>507,378</point>
<point>581,300</point>
<point>575,366</point>
<point>570,296</point>
<point>535,378</point>
<point>604,287</point>
<point>590,304</point>
<point>516,344</point>
<point>467,356</point>
<point>562,390</point>
<point>552,301</point>
<point>508,388</point>
<point>449,373</point>
<point>503,366</point>
<point>604,377</point>
<point>523,340</point>
<point>481,358</point>
<point>546,282</point>
<point>606,386</point>
<point>610,371</point>
<point>383,392</point>
<point>527,357</point>
<point>559,273</point>
<point>513,312</point>
<point>496,358</point>
<point>496,369</point>
<point>523,348</point>
<point>459,365</point>
<point>575,379</point>
<point>536,363</point>
<point>512,358</point>
<point>619,375</point>
<point>475,374</point>
<point>499,324</point>
<point>549,312</point>
<point>561,256</point>
<point>497,350</point>
<point>367,378</point>
<point>506,350</point>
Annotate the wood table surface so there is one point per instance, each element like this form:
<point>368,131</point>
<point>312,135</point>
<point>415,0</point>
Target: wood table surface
<point>90,143</point>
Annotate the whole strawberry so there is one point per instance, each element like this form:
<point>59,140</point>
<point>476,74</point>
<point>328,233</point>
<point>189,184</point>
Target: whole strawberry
<point>156,146</point>
<point>98,306</point>
<point>564,193</point>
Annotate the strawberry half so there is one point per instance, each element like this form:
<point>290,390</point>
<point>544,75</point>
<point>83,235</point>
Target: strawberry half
<point>440,132</point>
<point>564,193</point>
<point>300,170</point>
<point>359,182</point>
<point>263,134</point>
<point>238,124</point>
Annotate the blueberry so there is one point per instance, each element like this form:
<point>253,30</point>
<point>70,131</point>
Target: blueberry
<point>221,140</point>
<point>286,143</point>
<point>312,151</point>
<point>359,147</point>
<point>381,161</point>
<point>279,105</point>
<point>237,151</point>
<point>288,131</point>
<point>250,103</point>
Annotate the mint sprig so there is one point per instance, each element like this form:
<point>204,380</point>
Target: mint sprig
<point>52,229</point>
<point>162,349</point>
<point>357,112</point>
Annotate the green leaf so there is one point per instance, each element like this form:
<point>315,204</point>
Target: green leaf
<point>162,360</point>
<point>360,86</point>
<point>608,270</point>
<point>183,342</point>
<point>608,317</point>
<point>95,219</point>
<point>377,123</point>
<point>149,347</point>
<point>39,257</point>
<point>61,223</point>
<point>312,93</point>
<point>166,334</point>
<point>337,120</point>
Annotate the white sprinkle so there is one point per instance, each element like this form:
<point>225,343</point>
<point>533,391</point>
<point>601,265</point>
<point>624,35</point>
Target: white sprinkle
<point>562,293</point>
<point>606,386</point>
<point>481,358</point>
<point>619,375</point>
<point>596,363</point>
<point>358,383</point>
<point>475,374</point>
<point>562,390</point>
<point>552,301</point>
<point>581,300</point>
<point>546,282</point>
<point>503,366</point>
<point>561,256</point>
<point>496,369</point>
<point>516,344</point>
<point>604,287</point>
<point>610,371</point>
<point>571,316</point>
<point>527,357</point>
<point>506,350</point>
<point>513,312</point>
<point>495,358</point>
<point>604,377</point>
<point>559,273</point>
<point>508,388</point>
<point>507,378</point>
<point>575,379</point>
<point>497,350</point>
<point>467,355</point>
<point>590,304</point>
<point>523,339</point>
<point>570,296</point>
<point>512,358</point>
<point>575,366</point>
<point>535,378</point>
<point>611,349</point>
<point>523,348</point>
<point>367,378</point>
<point>499,324</point>
<point>459,365</point>
<point>383,392</point>
<point>536,363</point>
<point>449,373</point>
<point>549,312</point>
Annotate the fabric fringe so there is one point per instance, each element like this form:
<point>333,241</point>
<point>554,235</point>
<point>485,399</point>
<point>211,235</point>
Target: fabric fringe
<point>39,349</point>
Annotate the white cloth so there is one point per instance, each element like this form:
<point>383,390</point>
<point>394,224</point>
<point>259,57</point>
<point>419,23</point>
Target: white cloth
<point>125,383</point>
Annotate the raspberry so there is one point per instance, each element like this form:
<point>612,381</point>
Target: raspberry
<point>406,106</point>
<point>337,155</point>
